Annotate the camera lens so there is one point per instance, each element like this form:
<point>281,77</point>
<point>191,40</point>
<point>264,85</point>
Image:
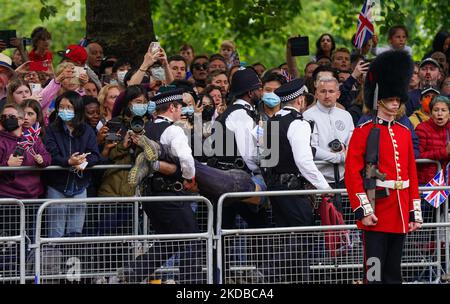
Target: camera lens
<point>137,124</point>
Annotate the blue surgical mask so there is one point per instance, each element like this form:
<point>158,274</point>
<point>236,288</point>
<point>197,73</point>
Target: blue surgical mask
<point>271,99</point>
<point>151,107</point>
<point>187,110</point>
<point>66,115</point>
<point>139,109</point>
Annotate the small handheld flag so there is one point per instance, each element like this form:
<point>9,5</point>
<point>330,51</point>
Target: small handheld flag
<point>436,197</point>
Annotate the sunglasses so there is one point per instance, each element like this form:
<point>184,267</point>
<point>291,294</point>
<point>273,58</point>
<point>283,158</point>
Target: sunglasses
<point>199,66</point>
<point>10,116</point>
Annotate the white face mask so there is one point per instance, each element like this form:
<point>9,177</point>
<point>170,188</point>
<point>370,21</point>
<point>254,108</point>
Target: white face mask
<point>121,76</point>
<point>158,73</point>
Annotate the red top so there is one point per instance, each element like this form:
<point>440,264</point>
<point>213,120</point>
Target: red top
<point>396,159</point>
<point>35,57</point>
<point>432,143</point>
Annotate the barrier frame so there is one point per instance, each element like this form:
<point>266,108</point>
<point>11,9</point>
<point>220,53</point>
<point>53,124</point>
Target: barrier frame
<point>208,235</point>
<point>223,232</point>
<point>21,238</point>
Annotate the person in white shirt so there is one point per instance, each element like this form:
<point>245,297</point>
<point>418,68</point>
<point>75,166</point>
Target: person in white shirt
<point>333,128</point>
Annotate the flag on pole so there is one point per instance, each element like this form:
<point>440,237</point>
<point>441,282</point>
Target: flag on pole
<point>365,28</point>
<point>436,197</point>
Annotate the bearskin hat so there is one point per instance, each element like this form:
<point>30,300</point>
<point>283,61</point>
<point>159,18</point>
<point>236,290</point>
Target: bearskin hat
<point>392,71</point>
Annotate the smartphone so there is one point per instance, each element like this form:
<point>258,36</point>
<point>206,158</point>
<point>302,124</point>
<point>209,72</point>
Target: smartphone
<point>113,126</point>
<point>299,46</point>
<point>36,88</point>
<point>106,79</point>
<point>19,151</point>
<point>154,46</point>
<point>6,36</point>
<point>38,66</point>
<point>77,71</point>
<point>113,137</point>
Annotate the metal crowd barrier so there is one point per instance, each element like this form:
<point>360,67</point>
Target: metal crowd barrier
<point>318,254</point>
<point>50,253</point>
<point>28,209</point>
<point>12,241</point>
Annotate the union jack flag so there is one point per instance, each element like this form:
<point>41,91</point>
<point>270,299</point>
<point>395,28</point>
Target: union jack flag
<point>286,75</point>
<point>29,137</point>
<point>436,197</point>
<point>365,28</point>
<point>31,134</point>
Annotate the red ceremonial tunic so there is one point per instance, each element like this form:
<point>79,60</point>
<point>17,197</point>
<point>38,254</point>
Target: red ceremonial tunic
<point>396,160</point>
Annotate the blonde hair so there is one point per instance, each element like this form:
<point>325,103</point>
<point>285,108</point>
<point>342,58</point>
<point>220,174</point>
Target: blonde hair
<point>62,66</point>
<point>102,97</point>
<point>228,43</point>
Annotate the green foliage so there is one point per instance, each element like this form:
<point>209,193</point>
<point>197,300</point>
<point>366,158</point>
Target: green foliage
<point>259,28</point>
<point>423,18</point>
<point>25,16</point>
<point>47,10</point>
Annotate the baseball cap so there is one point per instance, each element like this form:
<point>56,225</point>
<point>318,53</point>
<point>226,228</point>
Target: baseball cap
<point>74,53</point>
<point>429,60</point>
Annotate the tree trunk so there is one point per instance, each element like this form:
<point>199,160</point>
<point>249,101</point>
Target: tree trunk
<point>122,28</point>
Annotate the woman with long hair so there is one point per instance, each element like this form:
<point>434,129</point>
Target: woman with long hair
<point>71,142</point>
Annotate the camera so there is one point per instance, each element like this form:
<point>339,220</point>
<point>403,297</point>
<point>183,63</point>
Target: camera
<point>335,145</point>
<point>137,124</point>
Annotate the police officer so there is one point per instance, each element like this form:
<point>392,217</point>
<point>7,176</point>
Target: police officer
<point>295,164</point>
<point>170,217</point>
<point>293,167</point>
<point>238,146</point>
<point>385,224</point>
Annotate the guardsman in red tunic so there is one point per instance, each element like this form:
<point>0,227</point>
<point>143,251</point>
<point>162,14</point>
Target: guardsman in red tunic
<point>397,212</point>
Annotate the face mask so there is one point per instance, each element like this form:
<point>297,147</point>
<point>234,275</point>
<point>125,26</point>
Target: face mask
<point>66,115</point>
<point>151,107</point>
<point>208,113</point>
<point>10,124</point>
<point>426,104</point>
<point>139,109</point>
<point>271,99</point>
<point>158,73</point>
<point>121,76</point>
<point>187,110</point>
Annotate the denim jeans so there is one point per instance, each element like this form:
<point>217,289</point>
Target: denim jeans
<point>65,219</point>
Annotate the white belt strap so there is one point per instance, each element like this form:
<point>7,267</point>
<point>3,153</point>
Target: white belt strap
<point>392,184</point>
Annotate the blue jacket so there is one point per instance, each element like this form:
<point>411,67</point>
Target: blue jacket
<point>404,121</point>
<point>413,102</point>
<point>61,145</point>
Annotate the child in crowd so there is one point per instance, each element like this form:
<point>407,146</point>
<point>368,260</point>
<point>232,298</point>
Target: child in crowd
<point>228,51</point>
<point>397,39</point>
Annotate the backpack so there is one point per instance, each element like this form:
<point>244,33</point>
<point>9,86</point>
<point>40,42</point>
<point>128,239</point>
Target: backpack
<point>335,240</point>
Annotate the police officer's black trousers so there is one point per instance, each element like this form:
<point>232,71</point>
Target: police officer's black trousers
<point>293,261</point>
<point>382,257</point>
<point>171,218</point>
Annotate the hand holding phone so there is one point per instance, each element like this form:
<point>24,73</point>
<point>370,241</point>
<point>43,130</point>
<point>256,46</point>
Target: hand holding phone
<point>36,88</point>
<point>154,47</point>
<point>77,71</point>
<point>6,36</point>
